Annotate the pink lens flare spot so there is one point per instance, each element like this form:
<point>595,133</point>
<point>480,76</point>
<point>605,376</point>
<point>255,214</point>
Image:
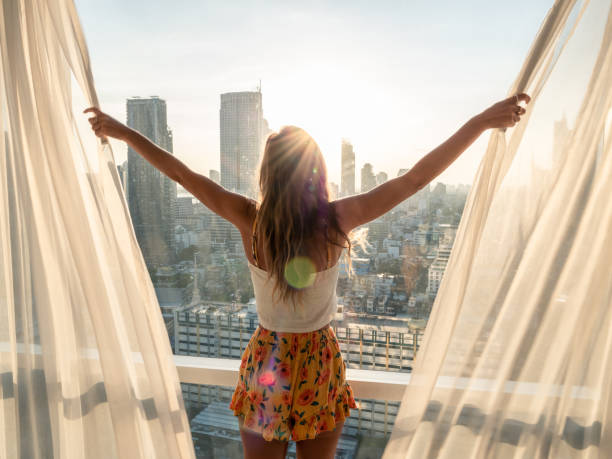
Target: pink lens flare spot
<point>267,378</point>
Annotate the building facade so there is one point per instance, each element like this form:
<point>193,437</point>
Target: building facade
<point>333,191</point>
<point>347,179</point>
<point>184,206</point>
<point>368,179</point>
<point>242,130</point>
<point>436,270</point>
<point>151,195</point>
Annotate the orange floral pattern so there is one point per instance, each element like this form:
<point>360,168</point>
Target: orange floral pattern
<point>292,385</point>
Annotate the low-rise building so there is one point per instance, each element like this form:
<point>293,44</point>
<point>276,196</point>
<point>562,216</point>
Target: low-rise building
<point>436,270</point>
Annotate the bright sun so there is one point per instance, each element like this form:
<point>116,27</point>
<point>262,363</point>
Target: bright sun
<point>324,104</point>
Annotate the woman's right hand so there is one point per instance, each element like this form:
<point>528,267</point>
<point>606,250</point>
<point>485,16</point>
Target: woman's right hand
<point>504,114</point>
<point>106,126</point>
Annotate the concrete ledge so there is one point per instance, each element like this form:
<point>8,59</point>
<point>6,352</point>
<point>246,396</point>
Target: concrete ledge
<point>379,385</point>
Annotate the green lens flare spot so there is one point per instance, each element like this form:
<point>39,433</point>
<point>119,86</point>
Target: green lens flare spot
<point>300,272</point>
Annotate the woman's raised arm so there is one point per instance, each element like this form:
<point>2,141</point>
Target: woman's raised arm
<point>362,208</point>
<point>231,206</point>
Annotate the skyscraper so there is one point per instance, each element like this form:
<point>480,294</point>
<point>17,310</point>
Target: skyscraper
<point>333,191</point>
<point>214,176</point>
<point>347,180</point>
<point>266,131</point>
<point>151,195</point>
<point>242,131</point>
<point>381,178</point>
<point>368,179</point>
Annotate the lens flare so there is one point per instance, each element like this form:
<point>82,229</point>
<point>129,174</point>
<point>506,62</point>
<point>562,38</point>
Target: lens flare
<point>267,378</point>
<point>300,272</point>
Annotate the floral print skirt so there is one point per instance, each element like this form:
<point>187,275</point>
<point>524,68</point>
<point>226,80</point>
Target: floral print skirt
<point>292,385</point>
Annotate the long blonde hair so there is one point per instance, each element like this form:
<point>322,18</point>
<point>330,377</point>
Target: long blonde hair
<point>294,206</point>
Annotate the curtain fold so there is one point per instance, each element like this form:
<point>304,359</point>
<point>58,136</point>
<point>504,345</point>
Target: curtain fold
<point>516,360</point>
<point>86,367</point>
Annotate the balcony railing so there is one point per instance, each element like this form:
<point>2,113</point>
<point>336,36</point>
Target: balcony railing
<point>366,384</point>
<point>371,384</point>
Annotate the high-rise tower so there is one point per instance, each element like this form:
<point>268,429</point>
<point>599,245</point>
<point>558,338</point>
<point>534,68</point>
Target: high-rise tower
<point>347,179</point>
<point>151,195</point>
<point>242,132</point>
<point>368,179</point>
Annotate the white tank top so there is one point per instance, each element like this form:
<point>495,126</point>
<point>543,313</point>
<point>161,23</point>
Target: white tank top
<point>317,308</point>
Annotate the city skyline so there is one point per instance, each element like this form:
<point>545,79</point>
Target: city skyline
<point>373,74</point>
<point>240,110</point>
<point>205,291</point>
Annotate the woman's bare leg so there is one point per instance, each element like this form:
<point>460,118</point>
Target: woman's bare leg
<point>255,447</point>
<point>322,447</point>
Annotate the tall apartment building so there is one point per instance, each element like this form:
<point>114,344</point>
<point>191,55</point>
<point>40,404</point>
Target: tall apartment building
<point>347,179</point>
<point>373,346</point>
<point>368,179</point>
<point>215,329</point>
<point>212,329</point>
<point>151,195</point>
<point>242,129</point>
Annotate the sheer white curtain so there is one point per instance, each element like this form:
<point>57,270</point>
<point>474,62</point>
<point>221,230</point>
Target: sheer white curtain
<point>86,368</point>
<point>517,361</point>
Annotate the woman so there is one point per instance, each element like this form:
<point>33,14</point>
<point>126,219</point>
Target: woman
<point>292,376</point>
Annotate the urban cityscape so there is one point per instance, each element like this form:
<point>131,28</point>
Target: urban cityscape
<point>376,85</point>
<point>199,270</point>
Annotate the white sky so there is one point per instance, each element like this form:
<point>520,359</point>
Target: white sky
<point>395,78</point>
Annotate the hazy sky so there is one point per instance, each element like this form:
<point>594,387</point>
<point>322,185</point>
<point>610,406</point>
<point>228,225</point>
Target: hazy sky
<point>395,78</point>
